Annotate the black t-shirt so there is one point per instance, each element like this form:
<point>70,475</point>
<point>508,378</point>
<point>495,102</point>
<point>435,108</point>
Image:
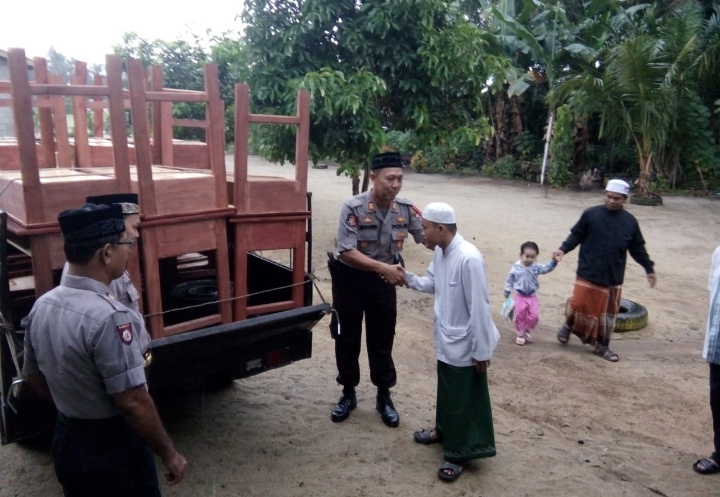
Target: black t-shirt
<point>605,237</point>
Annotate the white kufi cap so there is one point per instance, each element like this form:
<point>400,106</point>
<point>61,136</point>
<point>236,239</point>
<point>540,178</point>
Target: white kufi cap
<point>439,212</point>
<point>618,186</point>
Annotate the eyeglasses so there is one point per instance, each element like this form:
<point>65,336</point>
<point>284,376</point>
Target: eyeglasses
<point>125,242</point>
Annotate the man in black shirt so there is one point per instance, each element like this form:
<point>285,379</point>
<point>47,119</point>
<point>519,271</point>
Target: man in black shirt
<point>605,233</point>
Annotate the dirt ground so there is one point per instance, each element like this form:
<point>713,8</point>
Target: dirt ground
<point>566,422</point>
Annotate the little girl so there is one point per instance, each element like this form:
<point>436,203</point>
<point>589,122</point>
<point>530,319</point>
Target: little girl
<point>523,278</point>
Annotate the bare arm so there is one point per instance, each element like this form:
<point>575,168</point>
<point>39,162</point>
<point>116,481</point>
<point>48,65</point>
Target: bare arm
<point>138,409</point>
<point>39,384</point>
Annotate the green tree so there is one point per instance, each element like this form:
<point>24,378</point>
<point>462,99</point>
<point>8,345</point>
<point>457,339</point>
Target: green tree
<point>406,65</point>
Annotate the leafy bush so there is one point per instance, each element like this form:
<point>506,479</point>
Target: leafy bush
<point>506,167</point>
<point>562,148</point>
<point>404,142</point>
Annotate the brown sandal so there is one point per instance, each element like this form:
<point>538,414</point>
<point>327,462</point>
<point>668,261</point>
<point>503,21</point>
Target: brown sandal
<point>606,353</point>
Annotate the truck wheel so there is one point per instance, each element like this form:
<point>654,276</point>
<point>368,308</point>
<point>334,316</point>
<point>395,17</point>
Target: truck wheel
<point>631,317</point>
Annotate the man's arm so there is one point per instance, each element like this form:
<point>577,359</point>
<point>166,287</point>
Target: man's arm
<point>575,238</point>
<point>425,284</point>
<point>138,409</point>
<point>477,298</point>
<point>39,384</point>
<point>392,273</point>
<point>637,251</point>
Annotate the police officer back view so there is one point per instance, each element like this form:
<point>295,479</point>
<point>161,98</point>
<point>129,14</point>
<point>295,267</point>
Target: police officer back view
<point>372,229</point>
<point>85,350</point>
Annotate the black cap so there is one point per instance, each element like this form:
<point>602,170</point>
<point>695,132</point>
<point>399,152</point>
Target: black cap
<point>388,159</point>
<point>127,201</point>
<point>91,222</point>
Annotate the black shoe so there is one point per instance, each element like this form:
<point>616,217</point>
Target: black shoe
<point>387,411</point>
<point>341,410</point>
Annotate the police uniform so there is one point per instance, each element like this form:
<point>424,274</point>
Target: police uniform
<point>88,346</point>
<point>121,289</point>
<point>363,226</point>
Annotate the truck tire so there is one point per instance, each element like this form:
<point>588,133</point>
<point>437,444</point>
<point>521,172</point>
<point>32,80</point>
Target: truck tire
<point>631,317</point>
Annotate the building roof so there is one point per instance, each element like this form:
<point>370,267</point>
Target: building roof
<point>4,55</point>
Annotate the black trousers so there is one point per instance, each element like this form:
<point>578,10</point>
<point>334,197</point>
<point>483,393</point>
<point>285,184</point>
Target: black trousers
<point>715,406</point>
<point>103,458</point>
<point>357,294</point>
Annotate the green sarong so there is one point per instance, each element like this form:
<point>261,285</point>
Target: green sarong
<point>463,416</point>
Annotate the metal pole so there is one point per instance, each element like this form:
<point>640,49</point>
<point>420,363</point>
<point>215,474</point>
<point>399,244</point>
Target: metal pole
<point>547,147</point>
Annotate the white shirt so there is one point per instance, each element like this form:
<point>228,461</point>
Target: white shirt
<point>464,329</point>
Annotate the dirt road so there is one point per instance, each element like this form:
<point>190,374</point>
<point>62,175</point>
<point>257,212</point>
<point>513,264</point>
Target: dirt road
<point>567,423</point>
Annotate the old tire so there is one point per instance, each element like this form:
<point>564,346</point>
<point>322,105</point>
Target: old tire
<point>653,201</point>
<point>631,317</point>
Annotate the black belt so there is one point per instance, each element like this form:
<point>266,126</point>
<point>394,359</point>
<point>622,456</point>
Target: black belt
<point>525,294</point>
<point>93,425</point>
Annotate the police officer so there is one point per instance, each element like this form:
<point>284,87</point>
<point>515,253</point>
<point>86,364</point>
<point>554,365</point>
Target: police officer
<point>85,350</point>
<point>122,288</point>
<point>372,229</point>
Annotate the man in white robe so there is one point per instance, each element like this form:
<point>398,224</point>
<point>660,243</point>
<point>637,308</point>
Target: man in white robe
<point>465,338</point>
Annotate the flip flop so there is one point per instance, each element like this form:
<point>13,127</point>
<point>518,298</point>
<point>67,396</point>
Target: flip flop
<point>424,436</point>
<point>528,337</point>
<point>453,469</point>
<point>706,466</point>
<point>563,334</point>
<point>520,341</point>
<point>606,354</point>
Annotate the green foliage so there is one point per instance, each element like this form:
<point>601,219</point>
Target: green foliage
<point>561,148</point>
<point>507,167</point>
<point>527,145</point>
<point>407,65</point>
<point>404,142</point>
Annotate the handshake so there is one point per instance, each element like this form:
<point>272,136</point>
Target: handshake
<point>394,274</point>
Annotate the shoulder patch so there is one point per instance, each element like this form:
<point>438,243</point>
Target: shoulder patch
<point>351,220</point>
<point>125,333</point>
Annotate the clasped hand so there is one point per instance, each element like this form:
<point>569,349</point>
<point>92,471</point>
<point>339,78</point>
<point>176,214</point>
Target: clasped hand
<point>394,274</point>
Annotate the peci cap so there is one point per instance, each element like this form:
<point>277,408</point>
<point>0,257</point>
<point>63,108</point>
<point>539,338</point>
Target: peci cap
<point>618,186</point>
<point>91,222</point>
<point>127,201</point>
<point>439,212</point>
<point>388,159</point>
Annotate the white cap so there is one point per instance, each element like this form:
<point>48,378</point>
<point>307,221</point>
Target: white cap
<point>439,212</point>
<point>618,186</point>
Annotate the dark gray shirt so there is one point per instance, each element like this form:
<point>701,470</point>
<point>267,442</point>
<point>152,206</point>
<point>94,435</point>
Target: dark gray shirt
<point>87,345</point>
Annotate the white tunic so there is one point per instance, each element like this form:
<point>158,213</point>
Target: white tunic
<point>464,329</point>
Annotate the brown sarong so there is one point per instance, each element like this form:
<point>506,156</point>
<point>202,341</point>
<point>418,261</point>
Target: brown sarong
<point>592,311</point>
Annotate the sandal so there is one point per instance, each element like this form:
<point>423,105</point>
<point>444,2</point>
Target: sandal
<point>425,436</point>
<point>606,353</point>
<point>449,471</point>
<point>706,466</point>
<point>563,334</point>
<point>528,337</point>
<point>520,341</point>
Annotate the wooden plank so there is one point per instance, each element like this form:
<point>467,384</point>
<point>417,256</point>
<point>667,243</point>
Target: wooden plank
<point>79,106</point>
<point>47,140</point>
<point>41,262</point>
<point>97,107</point>
<point>302,139</point>
<point>141,133</point>
<point>270,119</point>
<point>215,134</point>
<point>25,133</point>
<point>118,126</point>
<point>69,90</point>
<point>156,83</point>
<point>166,134</point>
<point>62,138</point>
<point>194,324</point>
<point>240,162</point>
<point>272,307</point>
<point>184,96</point>
<point>5,86</point>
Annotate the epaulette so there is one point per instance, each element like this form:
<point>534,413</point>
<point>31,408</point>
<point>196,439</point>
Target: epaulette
<point>356,201</point>
<point>116,306</point>
<point>403,201</point>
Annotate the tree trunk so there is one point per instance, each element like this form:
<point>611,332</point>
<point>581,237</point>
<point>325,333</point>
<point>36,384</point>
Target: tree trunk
<point>581,139</point>
<point>355,185</point>
<point>644,179</point>
<point>366,178</point>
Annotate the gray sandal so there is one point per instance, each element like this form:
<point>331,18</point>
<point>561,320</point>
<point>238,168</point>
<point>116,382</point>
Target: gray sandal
<point>563,334</point>
<point>449,471</point>
<point>424,436</point>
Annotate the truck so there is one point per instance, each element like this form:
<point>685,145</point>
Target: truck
<point>224,265</point>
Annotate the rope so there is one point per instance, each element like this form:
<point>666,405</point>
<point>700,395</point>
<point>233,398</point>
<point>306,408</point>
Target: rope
<point>312,277</point>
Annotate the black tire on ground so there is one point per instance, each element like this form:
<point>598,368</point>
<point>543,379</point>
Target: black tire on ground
<point>632,316</point>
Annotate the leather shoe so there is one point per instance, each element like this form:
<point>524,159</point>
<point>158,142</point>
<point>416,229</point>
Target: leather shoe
<point>387,411</point>
<point>341,410</point>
